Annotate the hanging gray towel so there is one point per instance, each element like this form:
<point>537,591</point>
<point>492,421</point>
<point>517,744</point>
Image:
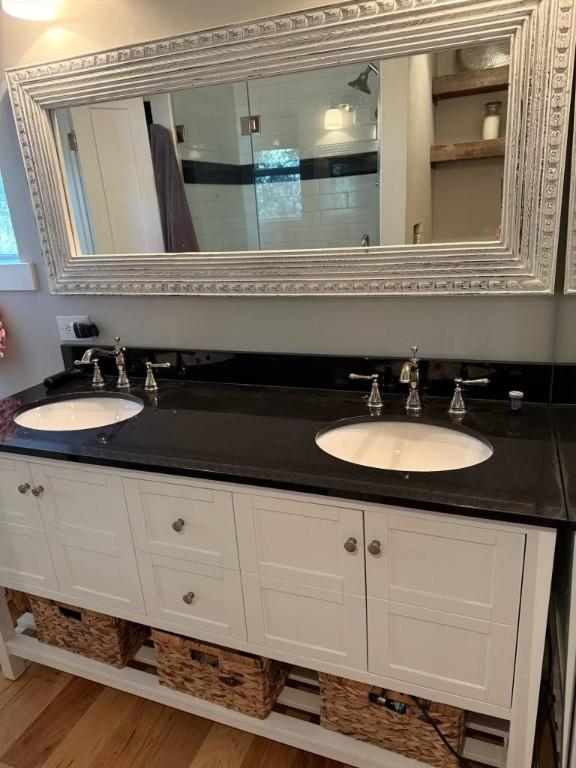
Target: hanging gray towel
<point>177,225</point>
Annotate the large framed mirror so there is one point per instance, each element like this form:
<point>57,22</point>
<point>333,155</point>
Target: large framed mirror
<point>570,265</point>
<point>376,148</point>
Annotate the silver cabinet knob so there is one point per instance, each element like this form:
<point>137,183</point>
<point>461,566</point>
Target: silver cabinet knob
<point>189,598</point>
<point>375,548</point>
<point>38,491</point>
<point>24,488</point>
<point>351,545</point>
<point>178,525</point>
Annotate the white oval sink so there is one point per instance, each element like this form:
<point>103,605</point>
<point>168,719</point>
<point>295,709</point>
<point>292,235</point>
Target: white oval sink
<point>403,445</point>
<point>77,413</point>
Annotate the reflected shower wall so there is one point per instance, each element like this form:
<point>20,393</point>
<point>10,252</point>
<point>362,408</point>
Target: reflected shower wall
<point>293,182</point>
<point>392,152</point>
<point>216,162</point>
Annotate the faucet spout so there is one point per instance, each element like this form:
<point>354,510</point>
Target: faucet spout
<point>410,374</point>
<point>405,373</point>
<point>118,354</point>
<point>89,354</point>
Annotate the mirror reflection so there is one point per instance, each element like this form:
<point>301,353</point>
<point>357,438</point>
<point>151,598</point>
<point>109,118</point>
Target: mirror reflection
<point>400,151</point>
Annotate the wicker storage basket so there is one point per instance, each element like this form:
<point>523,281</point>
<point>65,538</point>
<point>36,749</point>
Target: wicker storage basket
<point>241,681</point>
<point>346,707</point>
<point>99,637</point>
<point>18,603</point>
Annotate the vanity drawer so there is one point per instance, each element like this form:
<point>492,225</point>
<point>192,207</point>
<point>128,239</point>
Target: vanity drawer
<point>100,573</point>
<point>301,542</point>
<point>449,653</point>
<point>186,521</point>
<point>17,503</point>
<point>83,503</point>
<point>306,621</point>
<point>454,567</point>
<point>204,600</point>
<point>25,559</point>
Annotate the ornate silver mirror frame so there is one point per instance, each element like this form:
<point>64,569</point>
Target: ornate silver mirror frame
<point>542,34</point>
<point>570,269</point>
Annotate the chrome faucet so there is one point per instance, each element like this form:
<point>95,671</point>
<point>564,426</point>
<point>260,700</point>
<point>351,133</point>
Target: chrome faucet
<point>118,354</point>
<point>151,385</point>
<point>97,378</point>
<point>410,374</point>
<point>375,398</point>
<point>457,404</point>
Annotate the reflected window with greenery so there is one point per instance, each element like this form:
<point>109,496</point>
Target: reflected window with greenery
<point>8,247</point>
<point>278,191</point>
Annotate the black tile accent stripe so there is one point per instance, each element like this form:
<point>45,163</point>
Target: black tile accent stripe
<point>336,166</point>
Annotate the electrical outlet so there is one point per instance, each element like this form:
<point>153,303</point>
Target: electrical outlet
<point>66,326</point>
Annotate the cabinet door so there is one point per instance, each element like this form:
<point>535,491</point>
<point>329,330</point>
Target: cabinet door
<point>457,568</point>
<point>25,558</point>
<point>99,573</point>
<point>204,600</point>
<point>185,521</point>
<point>301,542</point>
<point>15,506</point>
<point>83,503</point>
<point>309,622</point>
<point>441,651</point>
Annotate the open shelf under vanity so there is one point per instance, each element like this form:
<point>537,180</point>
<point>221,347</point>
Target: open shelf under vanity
<point>294,721</point>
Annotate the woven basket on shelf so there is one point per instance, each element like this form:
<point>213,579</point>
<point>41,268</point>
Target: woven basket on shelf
<point>18,603</point>
<point>95,635</point>
<point>241,681</point>
<point>347,708</point>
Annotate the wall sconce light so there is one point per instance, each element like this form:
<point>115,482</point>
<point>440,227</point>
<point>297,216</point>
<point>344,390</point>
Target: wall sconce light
<point>334,117</point>
<point>32,10</point>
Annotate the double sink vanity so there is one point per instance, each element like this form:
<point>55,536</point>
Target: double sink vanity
<point>323,515</point>
<point>412,551</point>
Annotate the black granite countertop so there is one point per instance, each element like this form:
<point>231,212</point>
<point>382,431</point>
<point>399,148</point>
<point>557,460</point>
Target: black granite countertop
<point>264,436</point>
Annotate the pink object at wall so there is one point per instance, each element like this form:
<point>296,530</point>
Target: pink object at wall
<point>2,339</point>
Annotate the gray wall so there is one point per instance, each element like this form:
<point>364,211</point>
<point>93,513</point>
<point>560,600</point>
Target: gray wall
<point>496,328</point>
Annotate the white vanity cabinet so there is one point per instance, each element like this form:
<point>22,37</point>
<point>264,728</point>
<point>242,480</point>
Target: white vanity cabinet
<point>185,537</point>
<point>303,577</point>
<point>17,503</point>
<point>440,606</point>
<point>443,603</point>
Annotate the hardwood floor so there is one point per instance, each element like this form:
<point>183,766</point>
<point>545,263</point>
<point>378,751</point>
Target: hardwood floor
<point>49,719</point>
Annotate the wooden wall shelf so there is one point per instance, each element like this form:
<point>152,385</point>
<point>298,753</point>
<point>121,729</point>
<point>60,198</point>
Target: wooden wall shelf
<point>467,150</point>
<point>469,83</point>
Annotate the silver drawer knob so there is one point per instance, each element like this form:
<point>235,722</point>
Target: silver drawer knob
<point>351,545</point>
<point>178,525</point>
<point>38,491</point>
<point>189,598</point>
<point>24,488</point>
<point>375,548</point>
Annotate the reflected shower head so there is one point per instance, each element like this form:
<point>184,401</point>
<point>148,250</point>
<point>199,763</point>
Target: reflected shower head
<point>361,82</point>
